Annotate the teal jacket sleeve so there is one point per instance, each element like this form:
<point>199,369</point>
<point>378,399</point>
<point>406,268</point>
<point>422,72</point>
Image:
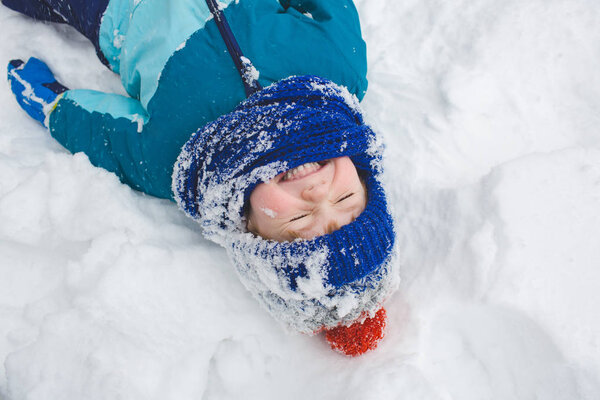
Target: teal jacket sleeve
<point>108,128</point>
<point>318,9</point>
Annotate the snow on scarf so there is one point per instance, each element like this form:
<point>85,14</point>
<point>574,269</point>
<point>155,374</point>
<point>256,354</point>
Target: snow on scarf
<point>308,284</point>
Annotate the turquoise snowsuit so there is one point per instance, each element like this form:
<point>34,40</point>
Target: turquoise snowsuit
<point>176,69</point>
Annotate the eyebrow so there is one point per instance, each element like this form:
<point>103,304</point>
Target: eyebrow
<point>332,226</point>
<point>294,234</point>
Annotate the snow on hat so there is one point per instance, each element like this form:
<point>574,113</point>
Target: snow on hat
<point>308,284</point>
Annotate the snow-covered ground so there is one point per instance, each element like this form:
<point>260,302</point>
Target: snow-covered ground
<point>491,112</point>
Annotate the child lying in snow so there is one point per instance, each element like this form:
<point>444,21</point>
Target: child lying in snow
<point>293,160</point>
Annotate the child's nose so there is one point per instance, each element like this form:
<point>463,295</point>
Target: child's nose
<point>315,193</point>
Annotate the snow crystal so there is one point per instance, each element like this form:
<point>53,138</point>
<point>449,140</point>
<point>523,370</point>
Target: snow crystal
<point>281,125</point>
<point>340,90</point>
<point>181,46</point>
<point>250,73</point>
<point>139,120</point>
<point>269,212</point>
<point>28,91</point>
<point>118,39</point>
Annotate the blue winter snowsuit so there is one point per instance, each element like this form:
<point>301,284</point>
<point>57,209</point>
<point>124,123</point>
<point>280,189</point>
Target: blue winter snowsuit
<point>175,66</point>
<point>173,59</point>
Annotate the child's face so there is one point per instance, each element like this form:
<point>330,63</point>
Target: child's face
<point>307,201</point>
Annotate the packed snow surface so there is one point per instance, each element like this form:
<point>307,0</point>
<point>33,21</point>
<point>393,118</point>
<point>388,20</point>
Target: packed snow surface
<point>491,113</point>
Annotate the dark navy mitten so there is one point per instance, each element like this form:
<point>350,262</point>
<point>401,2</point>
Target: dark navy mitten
<point>34,87</point>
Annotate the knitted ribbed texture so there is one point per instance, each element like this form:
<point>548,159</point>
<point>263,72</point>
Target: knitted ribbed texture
<point>309,284</point>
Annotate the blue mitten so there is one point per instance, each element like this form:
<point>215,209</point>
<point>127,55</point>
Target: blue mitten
<point>34,86</point>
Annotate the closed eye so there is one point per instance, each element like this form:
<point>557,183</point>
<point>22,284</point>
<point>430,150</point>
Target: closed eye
<point>344,198</point>
<point>297,218</point>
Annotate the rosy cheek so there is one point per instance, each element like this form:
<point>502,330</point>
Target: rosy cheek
<point>267,200</point>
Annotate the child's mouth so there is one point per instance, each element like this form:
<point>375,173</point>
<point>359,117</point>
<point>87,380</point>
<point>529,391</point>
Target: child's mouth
<point>303,170</point>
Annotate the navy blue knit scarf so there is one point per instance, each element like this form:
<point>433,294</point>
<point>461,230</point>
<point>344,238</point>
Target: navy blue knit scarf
<point>309,284</point>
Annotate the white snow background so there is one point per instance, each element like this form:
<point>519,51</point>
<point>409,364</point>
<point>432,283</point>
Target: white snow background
<point>491,113</point>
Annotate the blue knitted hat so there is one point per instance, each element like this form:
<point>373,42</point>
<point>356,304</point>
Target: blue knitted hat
<point>308,284</point>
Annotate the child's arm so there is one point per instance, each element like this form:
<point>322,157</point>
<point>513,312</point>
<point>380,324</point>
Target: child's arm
<point>323,10</point>
<point>106,127</point>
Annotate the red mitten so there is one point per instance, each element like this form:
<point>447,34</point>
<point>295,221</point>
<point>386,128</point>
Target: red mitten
<point>358,338</point>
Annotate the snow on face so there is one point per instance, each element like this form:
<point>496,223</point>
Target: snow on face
<point>268,212</point>
<point>307,201</point>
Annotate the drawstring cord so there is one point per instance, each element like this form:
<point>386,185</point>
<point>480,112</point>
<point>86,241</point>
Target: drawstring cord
<point>247,72</point>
